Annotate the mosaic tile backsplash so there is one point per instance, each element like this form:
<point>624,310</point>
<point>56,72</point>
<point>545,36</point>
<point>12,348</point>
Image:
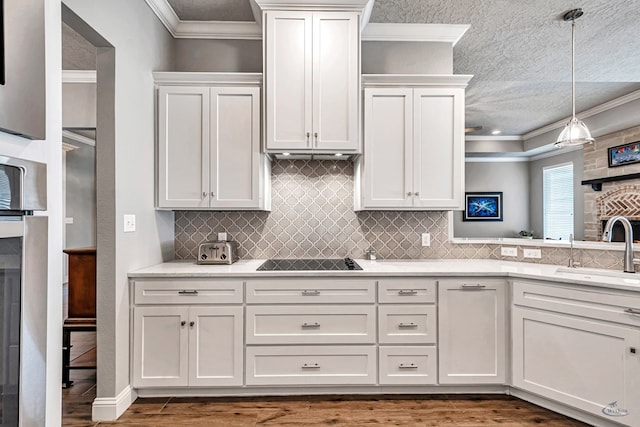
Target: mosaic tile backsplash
<point>312,217</point>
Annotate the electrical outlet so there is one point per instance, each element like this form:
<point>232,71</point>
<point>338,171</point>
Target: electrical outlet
<point>129,223</point>
<point>426,239</point>
<point>533,253</point>
<point>222,236</point>
<point>508,251</point>
<point>68,220</point>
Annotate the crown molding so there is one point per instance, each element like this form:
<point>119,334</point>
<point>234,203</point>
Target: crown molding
<point>443,33</point>
<point>424,80</point>
<point>489,159</point>
<point>165,13</point>
<point>180,78</point>
<point>77,138</point>
<point>625,99</point>
<point>345,5</point>
<point>79,76</point>
<point>493,138</point>
<point>257,12</point>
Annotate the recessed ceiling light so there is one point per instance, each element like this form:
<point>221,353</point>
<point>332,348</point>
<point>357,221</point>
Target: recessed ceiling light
<point>338,154</point>
<point>496,132</point>
<point>286,154</point>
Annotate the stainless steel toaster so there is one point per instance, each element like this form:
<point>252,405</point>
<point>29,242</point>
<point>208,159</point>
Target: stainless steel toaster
<point>218,252</point>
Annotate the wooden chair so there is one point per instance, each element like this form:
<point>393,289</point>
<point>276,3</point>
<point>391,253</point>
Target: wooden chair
<point>81,305</point>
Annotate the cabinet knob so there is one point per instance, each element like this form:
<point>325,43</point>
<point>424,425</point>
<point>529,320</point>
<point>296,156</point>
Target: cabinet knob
<point>204,194</point>
<point>184,322</point>
<point>192,323</point>
<point>212,194</point>
<point>316,136</point>
<point>409,194</point>
<point>416,194</point>
<point>308,136</point>
<point>632,350</point>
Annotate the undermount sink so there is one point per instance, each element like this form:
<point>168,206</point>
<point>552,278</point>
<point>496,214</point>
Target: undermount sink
<point>595,274</point>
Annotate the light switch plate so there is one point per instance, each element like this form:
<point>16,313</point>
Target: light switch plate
<point>129,223</point>
<point>222,237</point>
<point>506,251</point>
<point>426,239</point>
<point>533,253</point>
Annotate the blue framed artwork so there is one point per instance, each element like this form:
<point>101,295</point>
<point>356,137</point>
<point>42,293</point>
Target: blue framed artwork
<point>483,206</point>
<point>624,154</point>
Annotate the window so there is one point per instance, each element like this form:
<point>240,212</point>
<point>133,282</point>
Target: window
<point>557,200</point>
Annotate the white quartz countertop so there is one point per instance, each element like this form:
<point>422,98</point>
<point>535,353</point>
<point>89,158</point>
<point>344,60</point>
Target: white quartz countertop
<point>441,268</point>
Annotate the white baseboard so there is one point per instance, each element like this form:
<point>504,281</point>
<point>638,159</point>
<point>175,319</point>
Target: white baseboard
<point>110,408</point>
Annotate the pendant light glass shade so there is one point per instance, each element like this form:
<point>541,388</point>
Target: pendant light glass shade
<point>575,132</point>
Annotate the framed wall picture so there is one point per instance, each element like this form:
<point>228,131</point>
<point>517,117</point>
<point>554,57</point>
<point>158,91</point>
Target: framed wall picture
<point>483,206</point>
<point>624,154</point>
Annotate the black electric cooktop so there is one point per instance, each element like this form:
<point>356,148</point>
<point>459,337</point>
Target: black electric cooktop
<point>309,264</point>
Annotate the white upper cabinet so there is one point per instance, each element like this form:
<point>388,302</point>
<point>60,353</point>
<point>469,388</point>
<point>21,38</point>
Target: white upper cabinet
<point>209,148</point>
<point>413,147</point>
<point>312,81</point>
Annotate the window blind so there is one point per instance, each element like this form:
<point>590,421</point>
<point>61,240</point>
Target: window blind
<point>557,194</point>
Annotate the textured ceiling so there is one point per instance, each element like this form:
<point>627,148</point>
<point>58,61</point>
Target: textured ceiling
<point>77,52</point>
<point>520,55</point>
<point>212,10</point>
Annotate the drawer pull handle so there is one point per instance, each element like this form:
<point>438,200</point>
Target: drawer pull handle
<point>632,311</point>
<point>184,322</point>
<point>188,293</point>
<point>314,325</point>
<point>311,366</point>
<point>408,366</point>
<point>407,325</point>
<point>310,293</point>
<point>473,287</point>
<point>406,292</point>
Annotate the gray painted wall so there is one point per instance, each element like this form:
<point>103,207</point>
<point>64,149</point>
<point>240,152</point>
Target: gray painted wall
<point>141,45</point>
<point>512,178</point>
<point>407,58</point>
<point>22,97</point>
<point>81,197</point>
<point>535,190</point>
<point>79,105</point>
<point>218,55</point>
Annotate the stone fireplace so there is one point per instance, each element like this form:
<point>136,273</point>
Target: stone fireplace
<point>617,197</point>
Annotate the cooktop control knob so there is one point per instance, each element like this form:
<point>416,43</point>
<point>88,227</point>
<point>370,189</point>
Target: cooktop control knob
<point>223,256</point>
<point>203,256</point>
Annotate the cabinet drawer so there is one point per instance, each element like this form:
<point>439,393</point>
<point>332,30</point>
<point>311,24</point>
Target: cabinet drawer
<point>408,365</point>
<point>410,291</point>
<point>188,292</point>
<point>310,325</point>
<point>407,324</point>
<point>284,291</point>
<point>311,365</point>
<point>596,304</point>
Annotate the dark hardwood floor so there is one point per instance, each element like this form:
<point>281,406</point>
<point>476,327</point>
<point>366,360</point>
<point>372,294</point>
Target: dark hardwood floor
<point>302,411</point>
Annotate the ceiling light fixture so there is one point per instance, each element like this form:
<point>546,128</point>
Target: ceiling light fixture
<point>496,132</point>
<point>575,132</point>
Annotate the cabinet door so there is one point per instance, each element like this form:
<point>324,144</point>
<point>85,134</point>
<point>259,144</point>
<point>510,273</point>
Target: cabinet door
<point>472,332</point>
<point>336,79</point>
<point>587,364</point>
<point>235,147</point>
<point>288,84</point>
<point>215,346</point>
<point>438,153</point>
<point>387,181</point>
<point>160,337</point>
<point>183,147</point>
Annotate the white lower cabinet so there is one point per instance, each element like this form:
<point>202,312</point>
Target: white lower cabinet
<point>311,365</point>
<point>408,365</point>
<point>178,346</point>
<point>472,331</point>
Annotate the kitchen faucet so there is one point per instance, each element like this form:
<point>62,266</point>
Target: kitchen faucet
<point>628,239</point>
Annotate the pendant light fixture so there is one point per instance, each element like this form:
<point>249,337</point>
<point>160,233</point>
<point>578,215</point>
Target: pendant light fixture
<point>575,132</point>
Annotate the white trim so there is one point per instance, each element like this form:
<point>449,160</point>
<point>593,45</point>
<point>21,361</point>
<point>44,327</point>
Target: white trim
<point>78,138</point>
<point>343,5</point>
<point>493,138</point>
<point>555,152</point>
<point>366,15</point>
<point>236,30</point>
<point>110,408</point>
<point>257,12</point>
<point>189,78</point>
<point>165,13</point>
<point>444,33</point>
<point>79,76</point>
<point>66,147</point>
<point>625,99</point>
<point>489,159</point>
<point>422,80</point>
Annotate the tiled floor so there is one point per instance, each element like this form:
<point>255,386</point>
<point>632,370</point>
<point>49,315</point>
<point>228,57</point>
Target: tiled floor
<point>304,411</point>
